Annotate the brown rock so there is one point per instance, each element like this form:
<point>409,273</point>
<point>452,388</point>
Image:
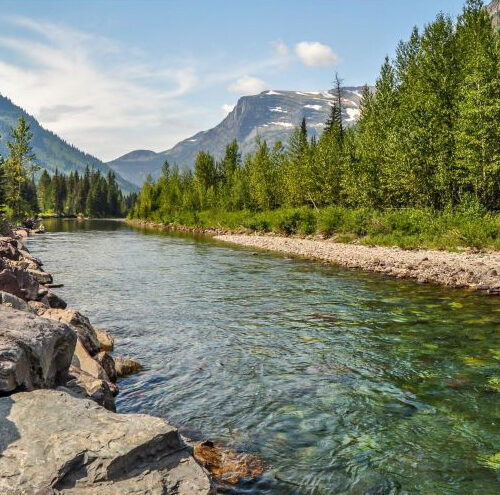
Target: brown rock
<point>106,340</point>
<point>83,360</point>
<point>86,386</point>
<point>227,465</point>
<point>126,366</point>
<point>54,301</point>
<point>107,363</point>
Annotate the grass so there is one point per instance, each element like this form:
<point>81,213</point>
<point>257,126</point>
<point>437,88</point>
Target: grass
<point>406,228</point>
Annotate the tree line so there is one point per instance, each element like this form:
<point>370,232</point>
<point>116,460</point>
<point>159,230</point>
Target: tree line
<point>428,136</point>
<point>90,193</point>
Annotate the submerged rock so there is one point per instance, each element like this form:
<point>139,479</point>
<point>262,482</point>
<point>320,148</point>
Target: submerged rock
<point>84,449</point>
<point>226,465</point>
<point>126,366</point>
<point>34,352</point>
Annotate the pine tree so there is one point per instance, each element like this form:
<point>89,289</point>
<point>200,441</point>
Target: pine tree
<point>20,162</point>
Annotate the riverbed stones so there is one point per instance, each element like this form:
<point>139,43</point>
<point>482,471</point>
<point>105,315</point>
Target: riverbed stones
<point>83,449</point>
<point>34,352</point>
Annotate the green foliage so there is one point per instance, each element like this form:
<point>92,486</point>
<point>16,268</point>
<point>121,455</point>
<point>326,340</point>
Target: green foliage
<point>421,166</point>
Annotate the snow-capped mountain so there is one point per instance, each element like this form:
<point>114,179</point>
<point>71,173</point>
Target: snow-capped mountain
<point>271,114</point>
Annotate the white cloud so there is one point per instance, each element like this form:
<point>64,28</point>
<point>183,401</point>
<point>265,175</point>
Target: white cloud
<point>315,54</point>
<point>92,91</point>
<point>247,85</point>
<point>227,109</point>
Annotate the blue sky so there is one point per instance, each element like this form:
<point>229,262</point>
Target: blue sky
<point>111,76</point>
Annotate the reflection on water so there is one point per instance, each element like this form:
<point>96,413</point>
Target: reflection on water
<point>344,383</point>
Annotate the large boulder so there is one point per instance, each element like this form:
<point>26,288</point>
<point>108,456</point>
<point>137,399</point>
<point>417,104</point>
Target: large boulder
<point>18,282</point>
<point>72,446</point>
<point>80,323</point>
<point>34,352</point>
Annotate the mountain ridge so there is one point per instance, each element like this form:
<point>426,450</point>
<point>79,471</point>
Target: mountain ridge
<point>271,114</point>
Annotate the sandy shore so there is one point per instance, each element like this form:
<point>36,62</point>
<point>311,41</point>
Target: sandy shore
<point>477,271</point>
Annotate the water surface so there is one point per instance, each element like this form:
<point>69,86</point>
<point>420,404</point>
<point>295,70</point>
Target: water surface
<point>344,383</point>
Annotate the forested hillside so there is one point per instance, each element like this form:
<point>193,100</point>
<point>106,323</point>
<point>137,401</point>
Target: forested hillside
<point>51,151</point>
<point>428,139</point>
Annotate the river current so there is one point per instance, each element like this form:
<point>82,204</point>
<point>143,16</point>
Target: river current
<point>344,383</point>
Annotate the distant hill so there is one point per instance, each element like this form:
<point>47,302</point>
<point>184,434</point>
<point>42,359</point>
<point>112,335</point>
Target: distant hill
<point>271,114</point>
<point>51,151</point>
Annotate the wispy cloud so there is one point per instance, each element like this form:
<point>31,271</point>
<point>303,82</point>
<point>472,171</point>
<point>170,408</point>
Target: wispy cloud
<point>86,86</point>
<point>109,98</point>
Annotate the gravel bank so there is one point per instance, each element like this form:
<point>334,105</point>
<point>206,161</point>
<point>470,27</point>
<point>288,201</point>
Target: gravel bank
<point>477,271</point>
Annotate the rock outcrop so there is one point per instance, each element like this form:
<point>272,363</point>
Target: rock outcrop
<point>73,446</point>
<point>34,352</point>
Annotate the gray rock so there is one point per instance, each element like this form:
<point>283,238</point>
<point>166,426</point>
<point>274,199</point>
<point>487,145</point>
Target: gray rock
<point>54,301</point>
<point>79,322</point>
<point>18,282</point>
<point>83,449</point>
<point>34,352</point>
<point>13,301</point>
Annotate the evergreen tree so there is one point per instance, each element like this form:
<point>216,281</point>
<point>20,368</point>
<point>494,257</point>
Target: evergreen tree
<point>21,160</point>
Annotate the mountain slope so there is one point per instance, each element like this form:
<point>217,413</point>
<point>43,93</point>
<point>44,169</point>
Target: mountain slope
<point>51,151</point>
<point>494,11</point>
<point>270,114</point>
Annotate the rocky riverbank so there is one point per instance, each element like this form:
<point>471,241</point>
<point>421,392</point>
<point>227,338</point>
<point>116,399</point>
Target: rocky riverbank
<point>472,270</point>
<point>59,433</point>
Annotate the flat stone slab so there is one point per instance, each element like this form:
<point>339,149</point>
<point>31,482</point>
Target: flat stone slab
<point>54,443</point>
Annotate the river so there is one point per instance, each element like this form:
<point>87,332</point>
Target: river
<point>344,383</point>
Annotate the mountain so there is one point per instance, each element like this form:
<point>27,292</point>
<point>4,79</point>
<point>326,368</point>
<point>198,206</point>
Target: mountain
<point>494,11</point>
<point>51,151</point>
<point>270,114</point>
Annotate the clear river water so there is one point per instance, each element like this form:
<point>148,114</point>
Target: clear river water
<point>344,383</point>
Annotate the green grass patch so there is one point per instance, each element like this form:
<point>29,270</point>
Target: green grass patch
<point>407,228</point>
